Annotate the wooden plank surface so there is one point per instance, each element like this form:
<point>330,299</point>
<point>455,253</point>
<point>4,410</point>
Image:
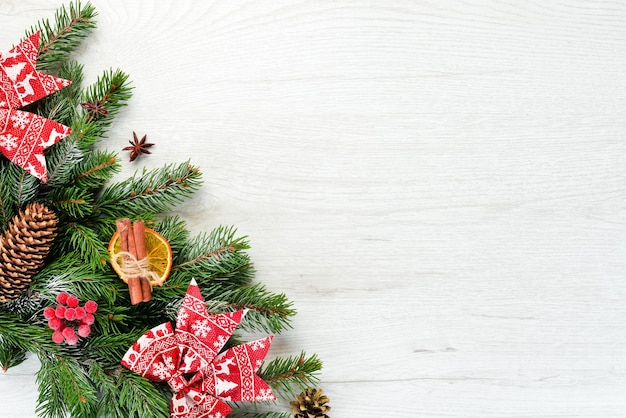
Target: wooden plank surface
<point>437,185</point>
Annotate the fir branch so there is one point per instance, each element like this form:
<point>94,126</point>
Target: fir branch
<point>111,91</point>
<point>83,241</point>
<point>208,249</point>
<point>152,191</point>
<point>10,355</point>
<point>139,396</point>
<point>111,320</point>
<point>24,187</point>
<point>174,229</point>
<point>268,312</point>
<point>70,274</point>
<point>62,105</point>
<point>8,201</point>
<point>25,336</point>
<point>61,158</point>
<point>108,404</point>
<point>108,349</point>
<point>59,40</point>
<point>217,258</point>
<point>72,201</point>
<point>291,375</point>
<point>64,386</point>
<point>95,170</point>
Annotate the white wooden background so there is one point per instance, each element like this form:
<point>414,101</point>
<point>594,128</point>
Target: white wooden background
<point>439,186</point>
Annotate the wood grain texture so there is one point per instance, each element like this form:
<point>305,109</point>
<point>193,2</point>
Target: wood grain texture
<point>438,185</point>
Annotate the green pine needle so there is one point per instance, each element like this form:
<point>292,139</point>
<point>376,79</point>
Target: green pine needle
<point>292,375</point>
<point>151,191</point>
<point>267,311</point>
<point>71,25</point>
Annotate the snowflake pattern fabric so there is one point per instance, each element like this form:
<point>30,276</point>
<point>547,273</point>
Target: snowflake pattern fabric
<point>23,135</point>
<point>163,355</point>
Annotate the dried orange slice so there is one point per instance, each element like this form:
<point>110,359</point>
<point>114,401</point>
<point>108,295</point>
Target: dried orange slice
<point>159,255</point>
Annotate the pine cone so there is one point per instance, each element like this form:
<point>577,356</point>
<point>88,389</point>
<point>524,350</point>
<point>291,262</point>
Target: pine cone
<point>24,248</point>
<point>310,404</point>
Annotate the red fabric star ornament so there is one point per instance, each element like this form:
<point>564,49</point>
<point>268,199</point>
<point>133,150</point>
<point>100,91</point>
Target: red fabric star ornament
<point>23,135</point>
<point>188,360</point>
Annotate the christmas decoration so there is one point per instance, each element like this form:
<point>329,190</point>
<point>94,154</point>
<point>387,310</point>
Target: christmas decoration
<point>23,135</point>
<point>95,108</point>
<point>146,258</point>
<point>57,250</point>
<point>24,248</point>
<point>310,404</point>
<point>135,267</point>
<point>138,147</point>
<point>163,355</point>
<point>68,317</point>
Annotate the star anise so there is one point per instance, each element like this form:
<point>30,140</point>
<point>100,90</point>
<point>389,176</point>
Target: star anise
<point>138,147</point>
<point>95,108</point>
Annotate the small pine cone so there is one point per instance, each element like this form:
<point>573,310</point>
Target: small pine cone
<point>24,248</point>
<point>310,404</point>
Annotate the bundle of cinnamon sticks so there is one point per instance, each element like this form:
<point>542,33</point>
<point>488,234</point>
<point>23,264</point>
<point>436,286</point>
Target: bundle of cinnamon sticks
<point>133,240</point>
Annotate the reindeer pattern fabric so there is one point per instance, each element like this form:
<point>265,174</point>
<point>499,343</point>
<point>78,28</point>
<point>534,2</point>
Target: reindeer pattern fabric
<point>23,135</point>
<point>190,359</point>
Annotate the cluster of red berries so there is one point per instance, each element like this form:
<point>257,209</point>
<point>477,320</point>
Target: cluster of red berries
<point>67,315</point>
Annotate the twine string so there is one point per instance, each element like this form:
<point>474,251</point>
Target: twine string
<point>130,266</point>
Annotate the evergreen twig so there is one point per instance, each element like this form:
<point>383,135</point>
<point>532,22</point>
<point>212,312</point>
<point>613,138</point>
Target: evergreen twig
<point>291,375</point>
<point>71,25</point>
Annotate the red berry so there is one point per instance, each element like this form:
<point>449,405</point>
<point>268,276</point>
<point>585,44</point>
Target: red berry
<point>58,337</point>
<point>60,312</point>
<point>72,340</point>
<point>70,314</point>
<point>72,301</point>
<point>49,312</point>
<point>62,298</point>
<point>69,332</point>
<point>55,323</point>
<point>91,306</point>
<point>84,330</point>
<point>80,313</point>
<point>88,319</point>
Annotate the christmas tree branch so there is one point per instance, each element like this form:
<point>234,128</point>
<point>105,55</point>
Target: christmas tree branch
<point>268,312</point>
<point>151,191</point>
<point>208,247</point>
<point>83,241</point>
<point>7,196</point>
<point>71,26</point>
<point>72,275</point>
<point>97,169</point>
<point>10,354</point>
<point>73,201</point>
<point>64,386</point>
<point>139,396</point>
<point>288,376</point>
<point>28,337</point>
<point>101,102</point>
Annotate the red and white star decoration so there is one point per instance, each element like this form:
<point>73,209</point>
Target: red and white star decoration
<point>189,360</point>
<point>23,135</point>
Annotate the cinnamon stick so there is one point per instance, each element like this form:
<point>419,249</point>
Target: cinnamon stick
<point>139,231</point>
<point>127,240</point>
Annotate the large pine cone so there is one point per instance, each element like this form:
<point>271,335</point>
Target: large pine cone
<point>310,404</point>
<point>24,248</point>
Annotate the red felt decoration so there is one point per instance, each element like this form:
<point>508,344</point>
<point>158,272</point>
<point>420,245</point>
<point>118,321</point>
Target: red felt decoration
<point>163,355</point>
<point>23,135</point>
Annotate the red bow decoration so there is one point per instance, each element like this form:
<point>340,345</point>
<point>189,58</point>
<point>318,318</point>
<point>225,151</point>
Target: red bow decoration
<point>24,135</point>
<point>162,355</point>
